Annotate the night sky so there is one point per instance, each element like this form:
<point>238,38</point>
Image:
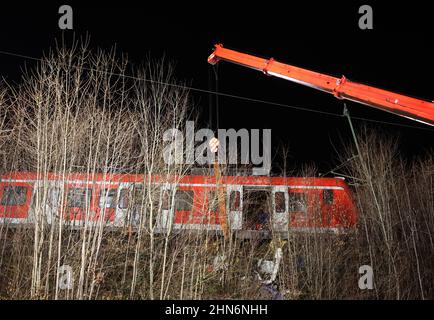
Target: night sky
<point>396,55</point>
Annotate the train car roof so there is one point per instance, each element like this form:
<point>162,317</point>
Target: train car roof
<point>187,179</point>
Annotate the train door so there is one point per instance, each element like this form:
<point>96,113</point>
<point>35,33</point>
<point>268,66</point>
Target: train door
<point>257,208</point>
<point>46,202</point>
<point>53,202</point>
<point>15,200</point>
<point>121,216</point>
<point>166,214</point>
<point>280,207</point>
<point>131,203</point>
<point>234,207</point>
<point>137,203</point>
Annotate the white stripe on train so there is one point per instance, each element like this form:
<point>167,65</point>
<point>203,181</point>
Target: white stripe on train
<point>180,184</point>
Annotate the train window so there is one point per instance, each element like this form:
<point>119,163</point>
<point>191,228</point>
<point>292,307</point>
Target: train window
<point>107,198</point>
<point>212,201</point>
<point>328,196</point>
<point>135,195</point>
<point>184,200</point>
<point>234,201</point>
<point>123,199</point>
<point>297,202</point>
<point>79,197</point>
<point>279,200</point>
<point>14,196</point>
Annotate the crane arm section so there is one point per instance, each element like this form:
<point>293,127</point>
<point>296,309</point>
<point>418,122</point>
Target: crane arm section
<point>342,88</point>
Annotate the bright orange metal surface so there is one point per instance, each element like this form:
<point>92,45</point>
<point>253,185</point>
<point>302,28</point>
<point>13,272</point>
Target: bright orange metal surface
<point>416,109</point>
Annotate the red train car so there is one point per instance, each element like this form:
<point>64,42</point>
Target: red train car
<point>253,204</point>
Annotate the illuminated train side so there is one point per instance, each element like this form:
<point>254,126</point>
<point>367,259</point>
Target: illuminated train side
<point>186,203</point>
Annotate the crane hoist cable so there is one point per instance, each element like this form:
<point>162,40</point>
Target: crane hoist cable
<point>214,144</point>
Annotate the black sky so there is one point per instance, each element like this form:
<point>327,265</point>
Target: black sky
<point>397,55</point>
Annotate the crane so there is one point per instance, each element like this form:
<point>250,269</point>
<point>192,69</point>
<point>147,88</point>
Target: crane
<point>342,88</point>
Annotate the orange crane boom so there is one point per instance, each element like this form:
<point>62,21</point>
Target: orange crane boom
<point>342,88</point>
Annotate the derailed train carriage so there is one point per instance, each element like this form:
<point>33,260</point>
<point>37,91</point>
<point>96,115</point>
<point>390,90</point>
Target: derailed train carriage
<point>254,205</point>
